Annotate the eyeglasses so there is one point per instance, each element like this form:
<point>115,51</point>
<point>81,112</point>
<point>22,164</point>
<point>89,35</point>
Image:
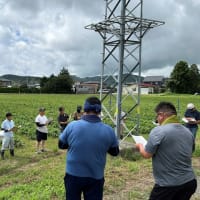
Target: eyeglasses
<point>159,113</point>
<point>168,113</point>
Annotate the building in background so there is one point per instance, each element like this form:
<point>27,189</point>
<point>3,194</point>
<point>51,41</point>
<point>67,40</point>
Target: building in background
<point>132,88</point>
<point>5,83</point>
<point>155,80</point>
<point>90,87</point>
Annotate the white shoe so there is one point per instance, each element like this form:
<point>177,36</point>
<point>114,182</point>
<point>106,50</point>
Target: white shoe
<point>38,152</point>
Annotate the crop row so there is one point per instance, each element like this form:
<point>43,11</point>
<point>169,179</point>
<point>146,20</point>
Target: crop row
<point>25,108</point>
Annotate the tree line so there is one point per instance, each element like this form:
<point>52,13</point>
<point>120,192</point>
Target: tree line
<point>62,83</point>
<point>184,79</point>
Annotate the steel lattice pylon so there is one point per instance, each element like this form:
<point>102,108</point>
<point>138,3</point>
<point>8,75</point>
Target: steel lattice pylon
<point>122,34</point>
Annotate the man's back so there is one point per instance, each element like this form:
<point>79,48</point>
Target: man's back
<point>88,144</point>
<point>170,146</point>
<point>173,144</point>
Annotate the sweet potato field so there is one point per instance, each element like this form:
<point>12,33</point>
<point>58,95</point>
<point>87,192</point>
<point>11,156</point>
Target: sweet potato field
<point>32,176</point>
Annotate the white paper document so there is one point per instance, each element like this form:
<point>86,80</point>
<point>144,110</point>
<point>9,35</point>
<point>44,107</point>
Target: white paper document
<point>49,120</point>
<point>184,120</point>
<point>155,123</point>
<point>187,120</point>
<point>139,139</point>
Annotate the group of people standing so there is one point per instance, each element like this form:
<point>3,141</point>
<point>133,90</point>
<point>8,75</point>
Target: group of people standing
<point>63,118</point>
<point>88,140</point>
<point>170,146</point>
<point>8,128</point>
<point>42,122</point>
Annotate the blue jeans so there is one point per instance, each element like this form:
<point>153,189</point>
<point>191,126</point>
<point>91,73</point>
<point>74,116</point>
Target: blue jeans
<point>92,189</point>
<point>193,130</point>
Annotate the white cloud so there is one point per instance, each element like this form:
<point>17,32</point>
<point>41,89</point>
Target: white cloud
<point>40,37</point>
<point>164,71</point>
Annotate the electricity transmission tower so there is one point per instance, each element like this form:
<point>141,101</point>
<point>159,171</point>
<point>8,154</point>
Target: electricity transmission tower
<point>122,31</point>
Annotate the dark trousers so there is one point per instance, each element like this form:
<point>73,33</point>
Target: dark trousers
<point>92,189</point>
<point>182,192</point>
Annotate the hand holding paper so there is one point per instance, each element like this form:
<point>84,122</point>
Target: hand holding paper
<point>49,121</point>
<point>139,139</point>
<point>188,120</point>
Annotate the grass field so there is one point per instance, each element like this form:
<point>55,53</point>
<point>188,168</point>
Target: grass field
<point>31,176</point>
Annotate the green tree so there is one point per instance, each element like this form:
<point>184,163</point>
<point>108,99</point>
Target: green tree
<point>184,79</point>
<point>194,78</point>
<point>43,81</point>
<point>64,81</point>
<point>58,84</point>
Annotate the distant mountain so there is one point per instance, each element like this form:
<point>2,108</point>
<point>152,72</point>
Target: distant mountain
<point>19,80</point>
<point>22,79</point>
<point>108,80</point>
<point>86,79</point>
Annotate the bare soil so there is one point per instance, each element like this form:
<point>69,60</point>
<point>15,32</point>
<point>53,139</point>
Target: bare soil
<point>142,183</point>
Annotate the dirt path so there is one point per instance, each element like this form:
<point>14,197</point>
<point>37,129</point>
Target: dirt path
<point>139,187</point>
<point>136,186</point>
<point>196,165</point>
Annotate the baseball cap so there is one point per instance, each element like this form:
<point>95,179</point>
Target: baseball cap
<point>190,106</point>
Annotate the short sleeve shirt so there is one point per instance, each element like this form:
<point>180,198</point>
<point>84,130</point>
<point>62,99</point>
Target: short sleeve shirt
<point>7,125</point>
<point>41,120</point>
<point>63,118</point>
<point>193,114</point>
<point>88,145</point>
<point>171,146</point>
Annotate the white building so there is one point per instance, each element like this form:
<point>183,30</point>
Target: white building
<point>133,89</point>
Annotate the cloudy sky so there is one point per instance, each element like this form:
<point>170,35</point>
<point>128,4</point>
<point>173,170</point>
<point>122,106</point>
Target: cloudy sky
<point>39,37</point>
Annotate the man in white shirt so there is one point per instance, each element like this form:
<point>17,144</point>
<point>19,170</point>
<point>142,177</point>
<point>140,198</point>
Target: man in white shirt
<point>41,130</point>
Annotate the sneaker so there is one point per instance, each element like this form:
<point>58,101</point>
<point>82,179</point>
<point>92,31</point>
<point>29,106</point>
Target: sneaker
<point>38,152</point>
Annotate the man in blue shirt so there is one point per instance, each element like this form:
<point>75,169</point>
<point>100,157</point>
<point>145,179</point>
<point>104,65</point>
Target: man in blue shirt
<point>193,117</point>
<point>88,140</point>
